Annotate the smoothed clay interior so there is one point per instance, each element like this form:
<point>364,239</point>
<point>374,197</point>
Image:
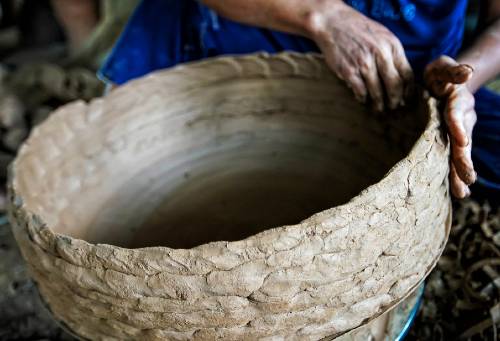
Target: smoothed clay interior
<point>217,163</point>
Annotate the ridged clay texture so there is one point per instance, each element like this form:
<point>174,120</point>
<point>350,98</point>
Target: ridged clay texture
<point>151,213</point>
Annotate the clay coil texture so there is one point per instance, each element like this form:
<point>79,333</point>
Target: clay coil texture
<point>99,186</point>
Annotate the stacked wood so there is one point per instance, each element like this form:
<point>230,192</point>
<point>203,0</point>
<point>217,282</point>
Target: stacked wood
<point>462,298</point>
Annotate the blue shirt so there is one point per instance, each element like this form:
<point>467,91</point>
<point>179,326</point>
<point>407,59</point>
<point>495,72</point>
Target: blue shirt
<point>163,33</point>
<point>426,28</point>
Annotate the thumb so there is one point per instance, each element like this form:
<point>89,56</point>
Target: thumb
<point>443,72</point>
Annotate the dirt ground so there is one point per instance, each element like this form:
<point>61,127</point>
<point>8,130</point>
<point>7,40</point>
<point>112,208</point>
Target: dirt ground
<point>22,314</point>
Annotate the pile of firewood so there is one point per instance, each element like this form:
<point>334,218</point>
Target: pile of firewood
<point>462,296</point>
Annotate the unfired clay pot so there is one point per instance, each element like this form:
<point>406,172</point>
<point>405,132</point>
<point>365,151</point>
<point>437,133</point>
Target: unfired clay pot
<point>239,198</point>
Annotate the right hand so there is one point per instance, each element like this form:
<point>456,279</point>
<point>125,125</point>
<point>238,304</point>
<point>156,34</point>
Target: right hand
<point>363,53</point>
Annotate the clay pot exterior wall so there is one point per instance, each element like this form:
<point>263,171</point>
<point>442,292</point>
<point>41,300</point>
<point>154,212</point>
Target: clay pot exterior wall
<point>323,277</point>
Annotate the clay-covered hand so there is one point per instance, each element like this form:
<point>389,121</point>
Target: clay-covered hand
<point>364,53</point>
<point>447,80</point>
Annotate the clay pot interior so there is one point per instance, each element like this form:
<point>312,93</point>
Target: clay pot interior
<point>217,163</point>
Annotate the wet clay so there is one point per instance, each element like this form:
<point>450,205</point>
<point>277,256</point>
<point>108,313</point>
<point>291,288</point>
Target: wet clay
<point>271,203</point>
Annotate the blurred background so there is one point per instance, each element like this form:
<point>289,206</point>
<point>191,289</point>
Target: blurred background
<point>49,53</point>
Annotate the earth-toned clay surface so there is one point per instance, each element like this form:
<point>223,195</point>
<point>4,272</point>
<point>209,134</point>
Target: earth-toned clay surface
<point>203,164</point>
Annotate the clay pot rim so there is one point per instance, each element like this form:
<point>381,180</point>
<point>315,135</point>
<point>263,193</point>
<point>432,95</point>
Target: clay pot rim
<point>16,202</point>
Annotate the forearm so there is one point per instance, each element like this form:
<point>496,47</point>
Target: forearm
<point>359,50</point>
<point>483,56</point>
<point>291,16</point>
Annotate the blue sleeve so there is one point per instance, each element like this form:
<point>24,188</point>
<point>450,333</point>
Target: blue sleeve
<point>163,33</point>
<point>151,40</point>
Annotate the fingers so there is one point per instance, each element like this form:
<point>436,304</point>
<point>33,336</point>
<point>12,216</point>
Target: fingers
<point>356,83</point>
<point>459,103</point>
<point>458,188</point>
<point>434,70</point>
<point>442,73</point>
<point>373,83</point>
<point>393,82</point>
<point>404,68</point>
<point>461,155</point>
<point>453,73</point>
<point>395,71</point>
<point>461,158</point>
<point>372,62</point>
<point>459,74</point>
<point>350,75</point>
<point>461,118</point>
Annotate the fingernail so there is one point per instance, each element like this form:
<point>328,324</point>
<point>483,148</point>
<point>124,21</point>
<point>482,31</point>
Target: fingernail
<point>470,177</point>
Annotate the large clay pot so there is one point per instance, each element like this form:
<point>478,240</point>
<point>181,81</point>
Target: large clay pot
<point>234,198</point>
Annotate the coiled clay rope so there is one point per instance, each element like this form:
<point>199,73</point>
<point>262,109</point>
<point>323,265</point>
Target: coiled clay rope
<point>151,214</point>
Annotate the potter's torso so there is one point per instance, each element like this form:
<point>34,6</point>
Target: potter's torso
<point>164,33</point>
<point>427,28</point>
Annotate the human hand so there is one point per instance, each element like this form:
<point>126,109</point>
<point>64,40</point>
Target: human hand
<point>363,53</point>
<point>447,80</point>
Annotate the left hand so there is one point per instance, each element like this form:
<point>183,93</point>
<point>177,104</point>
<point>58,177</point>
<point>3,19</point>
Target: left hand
<point>447,80</point>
